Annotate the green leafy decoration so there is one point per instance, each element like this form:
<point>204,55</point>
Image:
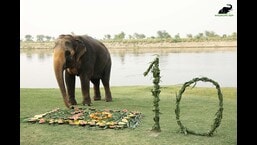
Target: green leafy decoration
<point>218,114</point>
<point>154,67</point>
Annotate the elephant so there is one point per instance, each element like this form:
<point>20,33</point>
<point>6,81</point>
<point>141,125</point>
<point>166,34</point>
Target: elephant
<point>86,58</point>
<point>225,10</point>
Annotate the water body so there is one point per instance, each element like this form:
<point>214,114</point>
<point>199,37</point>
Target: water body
<point>36,69</point>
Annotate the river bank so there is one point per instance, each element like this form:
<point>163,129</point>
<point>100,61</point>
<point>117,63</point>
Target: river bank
<point>204,46</point>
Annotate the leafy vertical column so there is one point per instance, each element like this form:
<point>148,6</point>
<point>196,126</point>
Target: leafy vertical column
<point>154,67</point>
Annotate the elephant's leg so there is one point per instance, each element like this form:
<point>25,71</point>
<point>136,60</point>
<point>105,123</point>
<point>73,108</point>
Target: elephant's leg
<point>97,92</point>
<point>108,95</point>
<point>70,83</point>
<point>85,86</point>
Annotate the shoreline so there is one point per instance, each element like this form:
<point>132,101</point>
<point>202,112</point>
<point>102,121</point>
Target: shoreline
<point>205,46</point>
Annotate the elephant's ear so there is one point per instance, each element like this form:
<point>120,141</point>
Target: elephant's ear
<point>80,47</point>
<point>61,36</point>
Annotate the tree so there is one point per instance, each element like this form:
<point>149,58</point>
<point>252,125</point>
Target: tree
<point>28,37</point>
<point>199,36</point>
<point>130,37</point>
<point>163,34</point>
<point>119,36</point>
<point>189,36</point>
<point>139,36</point>
<point>40,38</point>
<point>48,38</point>
<point>210,34</point>
<point>177,36</point>
<point>234,34</point>
<point>107,36</point>
<point>224,35</point>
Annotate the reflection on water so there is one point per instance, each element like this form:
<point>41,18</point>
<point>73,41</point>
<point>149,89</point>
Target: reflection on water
<point>36,68</point>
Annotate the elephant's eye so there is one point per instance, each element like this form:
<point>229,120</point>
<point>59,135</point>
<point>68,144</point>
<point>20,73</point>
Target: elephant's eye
<point>68,44</point>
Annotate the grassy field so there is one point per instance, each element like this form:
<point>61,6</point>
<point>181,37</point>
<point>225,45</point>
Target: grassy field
<point>198,107</point>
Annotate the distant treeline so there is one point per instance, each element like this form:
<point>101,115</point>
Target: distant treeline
<point>162,36</point>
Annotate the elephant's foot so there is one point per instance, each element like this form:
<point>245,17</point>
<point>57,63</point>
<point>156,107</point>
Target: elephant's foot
<point>67,104</point>
<point>73,101</point>
<point>108,99</point>
<point>87,101</point>
<point>97,98</point>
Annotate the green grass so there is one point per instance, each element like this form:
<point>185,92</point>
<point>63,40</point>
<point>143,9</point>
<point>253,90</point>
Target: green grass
<point>198,107</point>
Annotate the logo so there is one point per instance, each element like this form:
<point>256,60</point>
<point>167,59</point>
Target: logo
<point>225,11</point>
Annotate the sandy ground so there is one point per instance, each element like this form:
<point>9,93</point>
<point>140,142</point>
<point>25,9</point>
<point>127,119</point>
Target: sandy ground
<point>153,47</point>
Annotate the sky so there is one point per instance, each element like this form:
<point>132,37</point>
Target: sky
<point>98,18</point>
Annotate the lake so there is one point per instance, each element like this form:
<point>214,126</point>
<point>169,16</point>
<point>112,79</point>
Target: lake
<point>36,68</point>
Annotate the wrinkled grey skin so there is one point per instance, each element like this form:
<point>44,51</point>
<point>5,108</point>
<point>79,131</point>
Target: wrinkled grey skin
<point>87,58</point>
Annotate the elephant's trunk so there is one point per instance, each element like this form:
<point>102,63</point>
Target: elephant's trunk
<point>59,61</point>
<point>230,6</point>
